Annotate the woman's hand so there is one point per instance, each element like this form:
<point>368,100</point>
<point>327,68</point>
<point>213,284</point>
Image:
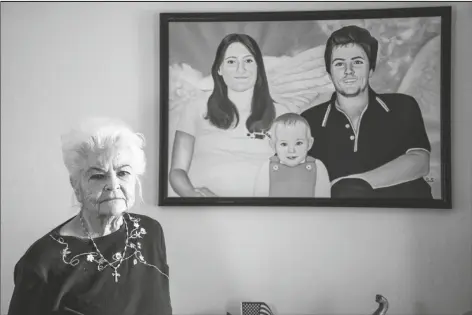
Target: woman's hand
<point>181,159</point>
<point>205,192</point>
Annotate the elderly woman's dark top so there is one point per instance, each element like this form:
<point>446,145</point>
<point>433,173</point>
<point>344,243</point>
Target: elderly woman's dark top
<point>66,275</point>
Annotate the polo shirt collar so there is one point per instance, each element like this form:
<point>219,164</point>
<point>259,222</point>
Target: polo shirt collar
<point>373,99</point>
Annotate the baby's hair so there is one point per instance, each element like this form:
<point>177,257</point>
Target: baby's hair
<point>289,119</point>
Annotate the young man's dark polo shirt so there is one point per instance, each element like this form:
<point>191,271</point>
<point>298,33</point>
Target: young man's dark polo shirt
<point>391,125</point>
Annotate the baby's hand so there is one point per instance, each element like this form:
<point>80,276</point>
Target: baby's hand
<point>205,192</point>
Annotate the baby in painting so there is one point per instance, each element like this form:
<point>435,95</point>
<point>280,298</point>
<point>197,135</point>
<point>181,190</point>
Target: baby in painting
<point>291,172</point>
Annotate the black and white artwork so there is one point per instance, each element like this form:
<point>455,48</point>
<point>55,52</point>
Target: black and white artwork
<point>326,108</point>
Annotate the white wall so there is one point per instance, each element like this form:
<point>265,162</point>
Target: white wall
<point>62,62</point>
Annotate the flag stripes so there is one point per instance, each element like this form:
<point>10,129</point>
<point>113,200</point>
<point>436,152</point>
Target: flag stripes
<point>255,308</point>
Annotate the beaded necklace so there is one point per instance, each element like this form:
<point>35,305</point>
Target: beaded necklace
<point>86,232</point>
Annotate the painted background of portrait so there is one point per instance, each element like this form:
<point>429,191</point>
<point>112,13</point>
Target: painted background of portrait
<point>408,62</point>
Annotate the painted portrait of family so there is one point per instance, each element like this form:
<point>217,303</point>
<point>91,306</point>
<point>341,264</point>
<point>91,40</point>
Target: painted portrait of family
<point>312,109</point>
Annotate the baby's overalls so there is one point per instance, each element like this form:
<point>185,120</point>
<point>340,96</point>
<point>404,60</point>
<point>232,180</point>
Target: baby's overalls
<point>296,181</point>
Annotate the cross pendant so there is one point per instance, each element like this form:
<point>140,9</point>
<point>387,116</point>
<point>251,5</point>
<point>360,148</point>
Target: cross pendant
<point>116,275</point>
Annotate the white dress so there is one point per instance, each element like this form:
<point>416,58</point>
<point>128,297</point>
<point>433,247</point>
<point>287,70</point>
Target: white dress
<point>224,161</point>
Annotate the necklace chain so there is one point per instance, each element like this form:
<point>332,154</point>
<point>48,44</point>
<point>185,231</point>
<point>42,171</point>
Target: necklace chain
<point>122,256</point>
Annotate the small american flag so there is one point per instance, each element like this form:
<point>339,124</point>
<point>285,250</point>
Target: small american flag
<point>255,308</point>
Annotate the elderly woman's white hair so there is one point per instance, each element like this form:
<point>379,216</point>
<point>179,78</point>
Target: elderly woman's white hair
<point>98,134</point>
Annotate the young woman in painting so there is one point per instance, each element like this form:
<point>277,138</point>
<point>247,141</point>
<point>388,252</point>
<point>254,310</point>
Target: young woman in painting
<point>220,142</point>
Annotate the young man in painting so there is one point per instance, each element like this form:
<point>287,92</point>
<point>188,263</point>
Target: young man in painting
<point>373,145</point>
<point>291,172</point>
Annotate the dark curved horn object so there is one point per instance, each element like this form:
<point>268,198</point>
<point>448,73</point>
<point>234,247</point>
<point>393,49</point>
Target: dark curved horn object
<point>383,305</point>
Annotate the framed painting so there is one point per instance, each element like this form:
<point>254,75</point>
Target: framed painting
<point>313,108</point>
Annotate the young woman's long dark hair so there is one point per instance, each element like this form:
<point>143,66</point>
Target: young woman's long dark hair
<point>222,113</point>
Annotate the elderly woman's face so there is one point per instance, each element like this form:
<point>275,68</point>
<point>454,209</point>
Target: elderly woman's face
<point>239,68</point>
<point>108,183</point>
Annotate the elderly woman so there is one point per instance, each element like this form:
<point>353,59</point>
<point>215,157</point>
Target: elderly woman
<point>105,260</point>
